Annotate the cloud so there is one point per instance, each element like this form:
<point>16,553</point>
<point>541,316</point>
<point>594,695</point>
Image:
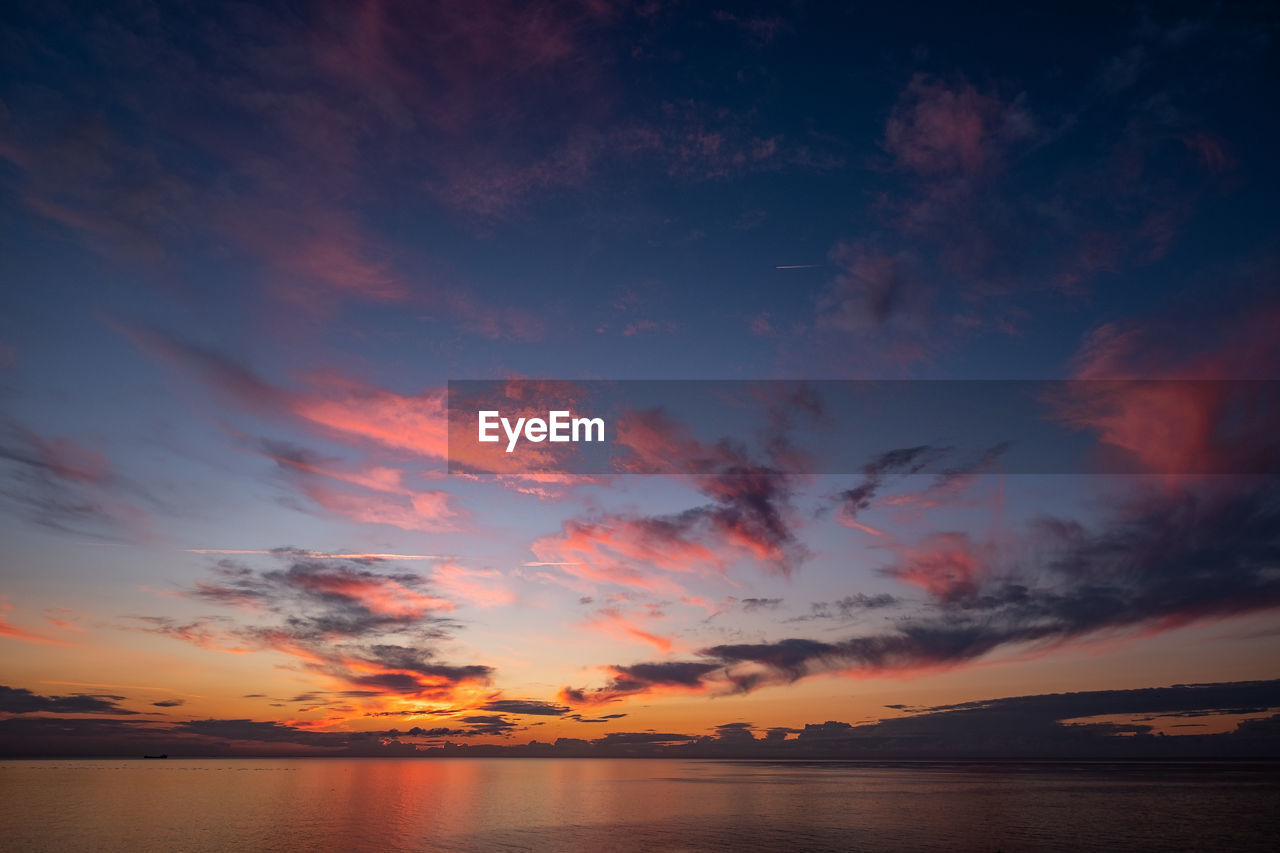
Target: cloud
<point>331,404</point>
<point>940,128</point>
<point>1162,557</point>
<point>949,566</point>
<point>1089,724</point>
<point>312,555</point>
<point>261,732</point>
<point>892,465</point>
<point>603,718</point>
<point>204,633</point>
<point>630,625</point>
<point>363,416</point>
<point>643,678</point>
<point>426,511</point>
<point>58,484</point>
<point>88,736</point>
<point>398,429</point>
<point>1207,415</point>
<point>287,182</point>
<point>379,496</point>
<point>749,513</point>
<point>641,737</point>
<point>1164,560</point>
<point>415,423</point>
<point>954,259</point>
<point>481,587</point>
<point>737,733</point>
<point>72,167</point>
<point>18,700</point>
<point>751,605</point>
<point>848,607</point>
<point>874,292</point>
<point>347,599</point>
<point>13,632</point>
<point>529,707</point>
<point>1177,699</point>
<point>489,724</point>
<point>370,633</point>
<point>906,460</point>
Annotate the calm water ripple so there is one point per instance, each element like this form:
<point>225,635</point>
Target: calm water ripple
<point>626,805</point>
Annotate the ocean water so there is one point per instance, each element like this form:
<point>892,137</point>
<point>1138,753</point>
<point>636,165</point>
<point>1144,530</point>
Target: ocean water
<point>633,804</point>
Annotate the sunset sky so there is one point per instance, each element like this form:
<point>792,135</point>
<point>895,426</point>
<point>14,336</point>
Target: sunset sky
<point>244,249</point>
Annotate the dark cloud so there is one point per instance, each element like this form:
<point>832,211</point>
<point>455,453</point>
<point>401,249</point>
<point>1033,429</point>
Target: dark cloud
<point>1046,725</point>
<point>488,724</point>
<point>751,605</point>
<point>642,678</point>
<point>417,661</point>
<point>791,657</point>
<point>414,712</point>
<point>847,607</point>
<point>666,672</point>
<point>60,485</point>
<point>528,707</point>
<point>874,291</point>
<point>641,737</point>
<point>740,733</point>
<point>75,736</point>
<point>1239,697</point>
<point>750,493</point>
<point>909,461</point>
<point>374,630</point>
<point>328,598</point>
<point>307,698</point>
<point>779,733</point>
<point>205,633</point>
<point>168,703</point>
<point>1167,557</point>
<point>90,736</point>
<point>603,718</point>
<point>18,700</point>
<point>263,732</point>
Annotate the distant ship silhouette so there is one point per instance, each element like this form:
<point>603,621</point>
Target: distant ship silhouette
<point>161,755</point>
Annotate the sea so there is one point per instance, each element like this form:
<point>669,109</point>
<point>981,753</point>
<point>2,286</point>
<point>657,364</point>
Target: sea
<point>515,804</point>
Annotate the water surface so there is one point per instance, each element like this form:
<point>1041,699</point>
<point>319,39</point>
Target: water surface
<point>638,804</point>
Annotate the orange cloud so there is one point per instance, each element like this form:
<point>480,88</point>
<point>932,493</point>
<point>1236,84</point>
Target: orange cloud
<point>13,632</point>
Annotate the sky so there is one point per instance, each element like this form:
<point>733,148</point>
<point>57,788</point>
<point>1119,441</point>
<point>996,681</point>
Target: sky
<point>245,248</point>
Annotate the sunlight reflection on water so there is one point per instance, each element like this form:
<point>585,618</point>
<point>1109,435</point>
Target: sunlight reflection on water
<point>645,804</point>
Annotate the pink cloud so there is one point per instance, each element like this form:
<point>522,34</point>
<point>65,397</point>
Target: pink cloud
<point>427,511</point>
<point>13,632</point>
<point>413,422</point>
<point>1188,424</point>
<point>949,566</point>
<point>380,594</point>
<point>936,128</point>
<point>630,625</point>
<point>481,587</point>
